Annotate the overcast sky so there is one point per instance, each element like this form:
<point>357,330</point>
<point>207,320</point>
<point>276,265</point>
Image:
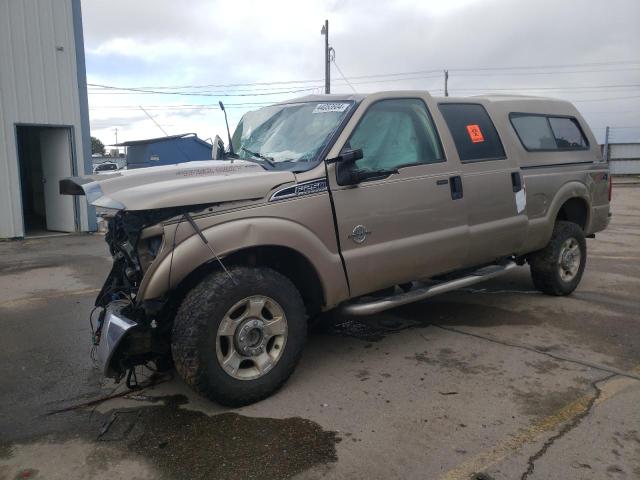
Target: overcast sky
<point>586,51</point>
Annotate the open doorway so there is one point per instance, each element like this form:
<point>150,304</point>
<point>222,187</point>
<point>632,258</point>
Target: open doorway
<point>45,157</point>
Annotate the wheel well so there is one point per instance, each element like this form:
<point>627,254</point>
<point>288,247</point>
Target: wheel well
<point>286,261</point>
<point>574,210</point>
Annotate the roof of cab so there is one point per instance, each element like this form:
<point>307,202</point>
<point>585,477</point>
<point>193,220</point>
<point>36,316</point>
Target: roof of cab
<point>499,99</point>
<point>502,98</point>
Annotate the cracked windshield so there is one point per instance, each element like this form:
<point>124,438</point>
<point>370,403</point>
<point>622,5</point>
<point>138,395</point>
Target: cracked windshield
<point>289,135</point>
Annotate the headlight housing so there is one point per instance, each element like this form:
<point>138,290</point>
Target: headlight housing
<point>106,212</point>
<point>148,249</point>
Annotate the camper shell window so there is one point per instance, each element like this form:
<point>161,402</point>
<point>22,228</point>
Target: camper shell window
<point>546,133</point>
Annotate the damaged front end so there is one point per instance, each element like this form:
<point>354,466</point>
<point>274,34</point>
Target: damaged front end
<point>127,332</point>
<point>138,204</point>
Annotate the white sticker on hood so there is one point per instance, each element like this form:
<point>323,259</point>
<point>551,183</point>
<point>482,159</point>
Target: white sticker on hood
<point>330,107</point>
<point>217,170</point>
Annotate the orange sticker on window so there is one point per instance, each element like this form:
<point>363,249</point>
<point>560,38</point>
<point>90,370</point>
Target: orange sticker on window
<point>475,134</point>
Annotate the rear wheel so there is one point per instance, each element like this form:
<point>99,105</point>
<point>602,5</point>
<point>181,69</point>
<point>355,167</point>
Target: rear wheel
<point>237,343</point>
<point>557,269</point>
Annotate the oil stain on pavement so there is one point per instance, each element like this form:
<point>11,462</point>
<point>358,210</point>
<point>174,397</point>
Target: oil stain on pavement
<point>182,443</point>
<point>190,444</point>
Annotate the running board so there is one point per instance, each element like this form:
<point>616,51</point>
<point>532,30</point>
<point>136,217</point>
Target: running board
<point>363,307</point>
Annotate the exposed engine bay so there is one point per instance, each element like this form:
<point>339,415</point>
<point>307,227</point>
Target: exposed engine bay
<point>141,330</point>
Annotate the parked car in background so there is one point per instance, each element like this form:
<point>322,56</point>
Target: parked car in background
<point>106,167</point>
<point>357,202</point>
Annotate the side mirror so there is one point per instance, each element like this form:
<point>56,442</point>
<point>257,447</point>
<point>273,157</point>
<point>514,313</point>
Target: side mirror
<point>217,151</point>
<point>347,156</point>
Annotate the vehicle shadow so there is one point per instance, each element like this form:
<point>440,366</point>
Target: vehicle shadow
<point>457,308</point>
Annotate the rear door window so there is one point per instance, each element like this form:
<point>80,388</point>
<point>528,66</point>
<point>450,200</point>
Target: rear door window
<point>544,132</point>
<point>473,132</point>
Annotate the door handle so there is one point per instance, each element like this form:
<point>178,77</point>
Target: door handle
<point>516,181</point>
<point>456,187</point>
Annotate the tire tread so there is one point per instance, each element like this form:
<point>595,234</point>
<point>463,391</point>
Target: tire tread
<point>543,263</point>
<point>192,322</point>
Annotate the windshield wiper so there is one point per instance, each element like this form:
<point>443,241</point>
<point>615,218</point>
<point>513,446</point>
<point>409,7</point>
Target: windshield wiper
<point>264,158</point>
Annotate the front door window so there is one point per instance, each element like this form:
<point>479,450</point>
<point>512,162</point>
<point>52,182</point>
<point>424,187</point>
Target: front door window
<point>394,134</point>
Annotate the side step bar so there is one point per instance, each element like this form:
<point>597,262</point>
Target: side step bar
<point>420,293</point>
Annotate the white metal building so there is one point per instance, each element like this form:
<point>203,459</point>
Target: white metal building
<point>44,118</point>
<point>624,158</point>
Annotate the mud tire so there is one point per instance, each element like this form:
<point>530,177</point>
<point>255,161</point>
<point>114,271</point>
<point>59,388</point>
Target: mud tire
<point>196,325</point>
<point>544,263</point>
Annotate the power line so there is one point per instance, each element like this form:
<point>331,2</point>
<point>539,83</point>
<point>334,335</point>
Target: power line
<point>191,105</point>
<point>497,74</point>
<point>417,72</point>
<point>604,99</point>
<point>199,94</point>
<point>258,104</point>
<point>580,87</point>
<point>195,105</point>
<point>270,89</point>
<point>342,75</point>
<point>539,67</point>
<point>137,91</point>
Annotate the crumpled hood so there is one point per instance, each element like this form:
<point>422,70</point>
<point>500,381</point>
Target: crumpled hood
<point>192,183</point>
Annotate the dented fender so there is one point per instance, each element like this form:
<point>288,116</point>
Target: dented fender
<point>542,222</point>
<point>236,235</point>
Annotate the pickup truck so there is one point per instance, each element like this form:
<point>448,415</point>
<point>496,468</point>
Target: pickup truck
<point>356,202</point>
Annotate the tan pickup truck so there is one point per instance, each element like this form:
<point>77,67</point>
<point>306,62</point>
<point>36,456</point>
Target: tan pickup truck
<point>357,202</point>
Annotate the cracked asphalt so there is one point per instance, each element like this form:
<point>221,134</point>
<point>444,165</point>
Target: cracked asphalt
<point>491,382</point>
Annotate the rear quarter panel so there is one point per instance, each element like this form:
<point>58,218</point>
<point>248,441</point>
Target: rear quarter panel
<point>548,188</point>
<point>552,178</point>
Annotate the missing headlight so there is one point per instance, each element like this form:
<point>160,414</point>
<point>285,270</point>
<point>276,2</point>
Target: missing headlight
<point>154,244</point>
<point>106,212</point>
<point>148,249</point>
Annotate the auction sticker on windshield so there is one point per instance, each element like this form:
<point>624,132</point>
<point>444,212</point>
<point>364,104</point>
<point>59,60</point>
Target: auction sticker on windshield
<point>330,107</point>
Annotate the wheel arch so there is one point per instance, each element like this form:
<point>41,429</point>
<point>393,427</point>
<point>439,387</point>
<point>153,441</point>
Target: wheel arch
<point>575,210</point>
<point>285,260</point>
<point>286,246</point>
<point>571,203</point>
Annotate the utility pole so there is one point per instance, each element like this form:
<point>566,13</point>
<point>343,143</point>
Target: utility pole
<point>327,60</point>
<point>116,130</point>
<point>605,153</point>
<point>446,83</point>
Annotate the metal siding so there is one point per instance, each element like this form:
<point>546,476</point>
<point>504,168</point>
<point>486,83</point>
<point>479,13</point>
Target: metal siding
<point>85,163</point>
<point>624,158</point>
<point>624,167</point>
<point>38,85</point>
<point>624,151</point>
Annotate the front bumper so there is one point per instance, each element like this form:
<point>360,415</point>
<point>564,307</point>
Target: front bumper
<point>115,328</point>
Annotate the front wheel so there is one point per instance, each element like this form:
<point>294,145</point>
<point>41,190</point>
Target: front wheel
<point>238,342</point>
<point>557,269</point>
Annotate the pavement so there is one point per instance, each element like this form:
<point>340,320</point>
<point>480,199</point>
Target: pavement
<point>492,382</point>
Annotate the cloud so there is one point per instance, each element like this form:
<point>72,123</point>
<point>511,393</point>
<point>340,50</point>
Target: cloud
<point>221,42</point>
<point>148,51</point>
